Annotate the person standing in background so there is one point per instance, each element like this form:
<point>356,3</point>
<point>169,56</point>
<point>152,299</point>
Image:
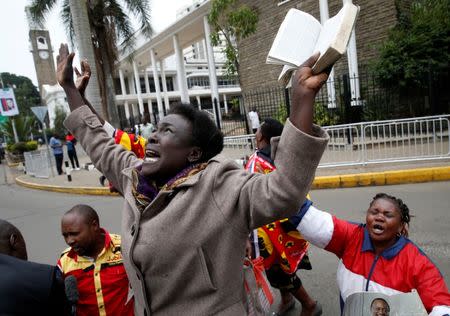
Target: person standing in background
<point>56,145</point>
<point>71,151</point>
<point>146,128</point>
<point>254,119</point>
<point>284,250</point>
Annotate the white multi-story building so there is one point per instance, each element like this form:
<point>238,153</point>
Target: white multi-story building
<point>175,66</point>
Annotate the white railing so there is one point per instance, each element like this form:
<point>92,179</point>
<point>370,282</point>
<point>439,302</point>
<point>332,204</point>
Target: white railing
<point>421,138</point>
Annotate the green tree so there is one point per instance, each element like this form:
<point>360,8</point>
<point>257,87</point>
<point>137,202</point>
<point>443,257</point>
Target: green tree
<point>418,44</point>
<point>234,21</point>
<point>100,27</point>
<point>25,125</point>
<point>25,92</point>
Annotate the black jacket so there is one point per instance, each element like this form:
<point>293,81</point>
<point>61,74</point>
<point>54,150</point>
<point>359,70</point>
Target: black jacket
<point>28,288</point>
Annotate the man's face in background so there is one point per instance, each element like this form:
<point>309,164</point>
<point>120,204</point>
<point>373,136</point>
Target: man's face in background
<point>379,307</point>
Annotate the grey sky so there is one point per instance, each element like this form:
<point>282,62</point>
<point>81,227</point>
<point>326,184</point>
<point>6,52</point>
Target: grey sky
<point>15,56</point>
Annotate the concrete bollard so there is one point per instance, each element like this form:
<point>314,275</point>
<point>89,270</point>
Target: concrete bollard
<point>68,171</point>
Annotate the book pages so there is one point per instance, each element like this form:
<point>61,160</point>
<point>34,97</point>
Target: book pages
<point>329,33</point>
<point>295,40</point>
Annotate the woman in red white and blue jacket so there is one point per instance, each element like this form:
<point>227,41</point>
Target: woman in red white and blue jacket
<point>376,256</point>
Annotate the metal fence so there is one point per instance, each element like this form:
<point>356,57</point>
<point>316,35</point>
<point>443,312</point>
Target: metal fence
<point>37,163</point>
<point>377,101</point>
<point>422,138</point>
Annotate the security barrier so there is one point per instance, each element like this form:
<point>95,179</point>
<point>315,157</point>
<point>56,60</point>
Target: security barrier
<point>37,163</point>
<point>421,138</point>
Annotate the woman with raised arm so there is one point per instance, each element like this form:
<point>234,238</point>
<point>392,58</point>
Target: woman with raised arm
<point>376,256</point>
<point>187,210</point>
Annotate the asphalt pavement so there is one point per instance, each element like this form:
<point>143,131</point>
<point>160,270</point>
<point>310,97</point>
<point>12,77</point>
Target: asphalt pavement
<point>38,214</point>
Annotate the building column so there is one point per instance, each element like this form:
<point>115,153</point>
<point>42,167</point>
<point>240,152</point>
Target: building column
<point>199,103</point>
<point>127,111</point>
<point>181,72</point>
<point>123,89</point>
<point>212,71</point>
<point>225,103</point>
<point>147,90</point>
<point>122,82</point>
<point>156,82</point>
<point>324,16</point>
<point>147,84</point>
<point>164,85</point>
<point>131,87</point>
<point>352,58</point>
<point>135,108</point>
<point>138,88</point>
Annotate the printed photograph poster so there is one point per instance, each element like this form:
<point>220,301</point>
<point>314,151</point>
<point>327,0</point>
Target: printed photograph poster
<point>376,304</point>
<point>8,105</point>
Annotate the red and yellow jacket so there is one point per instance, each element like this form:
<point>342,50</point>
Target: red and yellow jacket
<point>102,284</point>
<point>278,242</point>
<point>131,142</point>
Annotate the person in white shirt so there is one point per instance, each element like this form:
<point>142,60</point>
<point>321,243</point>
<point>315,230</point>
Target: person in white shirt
<point>146,128</point>
<point>254,119</point>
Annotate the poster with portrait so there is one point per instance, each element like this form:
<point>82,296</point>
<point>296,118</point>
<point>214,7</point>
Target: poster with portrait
<point>8,105</point>
<point>377,304</point>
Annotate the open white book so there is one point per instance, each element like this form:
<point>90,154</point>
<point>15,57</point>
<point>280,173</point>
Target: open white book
<point>372,303</point>
<point>301,35</point>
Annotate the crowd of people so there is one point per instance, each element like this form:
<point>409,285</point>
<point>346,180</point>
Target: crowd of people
<point>190,216</point>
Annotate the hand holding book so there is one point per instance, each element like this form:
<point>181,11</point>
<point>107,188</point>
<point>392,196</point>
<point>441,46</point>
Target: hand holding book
<point>300,35</point>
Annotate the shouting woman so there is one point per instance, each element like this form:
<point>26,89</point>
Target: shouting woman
<point>188,211</point>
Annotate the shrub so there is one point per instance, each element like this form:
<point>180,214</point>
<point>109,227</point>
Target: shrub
<point>31,145</point>
<point>18,148</point>
<point>21,147</point>
<point>323,116</point>
<point>282,114</point>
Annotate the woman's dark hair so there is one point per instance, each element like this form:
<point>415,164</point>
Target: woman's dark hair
<point>271,128</point>
<point>205,133</point>
<point>402,207</point>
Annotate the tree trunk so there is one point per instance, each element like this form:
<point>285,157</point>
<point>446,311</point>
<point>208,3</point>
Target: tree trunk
<point>82,30</point>
<point>107,83</point>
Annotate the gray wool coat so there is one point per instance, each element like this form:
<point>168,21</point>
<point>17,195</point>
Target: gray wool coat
<point>184,253</point>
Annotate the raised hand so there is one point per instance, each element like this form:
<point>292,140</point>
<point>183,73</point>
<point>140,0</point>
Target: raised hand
<point>64,75</point>
<point>304,81</point>
<point>83,77</point>
<point>305,86</point>
<point>64,69</point>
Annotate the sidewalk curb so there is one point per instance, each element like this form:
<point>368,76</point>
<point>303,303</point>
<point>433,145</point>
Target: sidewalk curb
<point>382,178</point>
<point>324,182</point>
<point>68,189</point>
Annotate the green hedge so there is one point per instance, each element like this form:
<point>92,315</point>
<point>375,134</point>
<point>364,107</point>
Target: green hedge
<point>21,147</point>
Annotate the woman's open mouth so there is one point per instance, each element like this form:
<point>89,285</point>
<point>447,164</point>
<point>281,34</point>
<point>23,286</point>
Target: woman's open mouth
<point>377,229</point>
<point>151,155</point>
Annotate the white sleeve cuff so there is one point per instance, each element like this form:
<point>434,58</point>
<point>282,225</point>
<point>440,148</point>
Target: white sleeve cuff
<point>110,130</point>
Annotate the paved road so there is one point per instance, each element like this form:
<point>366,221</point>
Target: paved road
<point>38,213</point>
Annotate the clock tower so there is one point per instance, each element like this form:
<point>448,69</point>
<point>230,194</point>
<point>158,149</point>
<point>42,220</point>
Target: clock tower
<point>41,49</point>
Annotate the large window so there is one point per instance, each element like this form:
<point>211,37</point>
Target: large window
<point>151,82</point>
<point>203,82</point>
